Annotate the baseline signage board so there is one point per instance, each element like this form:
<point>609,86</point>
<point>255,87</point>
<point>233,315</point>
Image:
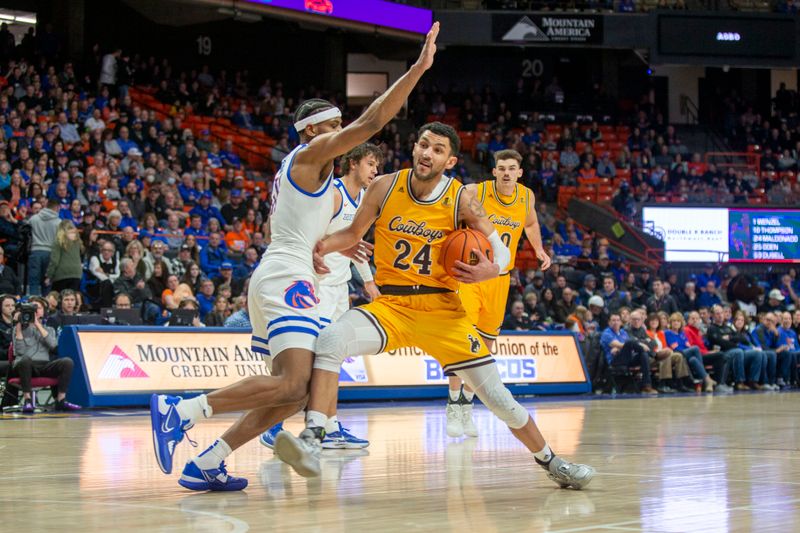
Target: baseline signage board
<point>545,28</point>
<point>124,365</point>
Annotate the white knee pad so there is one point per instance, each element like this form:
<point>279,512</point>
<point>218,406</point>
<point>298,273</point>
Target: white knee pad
<point>353,334</point>
<point>485,381</point>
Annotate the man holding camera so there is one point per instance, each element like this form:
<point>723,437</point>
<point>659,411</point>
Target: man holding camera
<point>33,344</point>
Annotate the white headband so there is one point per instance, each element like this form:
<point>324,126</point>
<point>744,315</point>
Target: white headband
<point>316,118</point>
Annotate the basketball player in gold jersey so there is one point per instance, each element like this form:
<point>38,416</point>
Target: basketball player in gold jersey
<point>414,210</point>
<point>510,206</point>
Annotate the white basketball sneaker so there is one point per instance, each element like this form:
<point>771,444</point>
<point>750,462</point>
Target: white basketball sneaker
<point>455,419</point>
<point>567,474</point>
<point>466,418</point>
<point>301,453</point>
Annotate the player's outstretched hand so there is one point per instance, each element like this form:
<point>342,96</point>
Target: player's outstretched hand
<point>429,49</point>
<point>544,259</point>
<point>484,270</point>
<point>360,253</point>
<point>319,261</point>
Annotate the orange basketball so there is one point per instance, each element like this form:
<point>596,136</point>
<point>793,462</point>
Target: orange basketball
<point>459,245</point>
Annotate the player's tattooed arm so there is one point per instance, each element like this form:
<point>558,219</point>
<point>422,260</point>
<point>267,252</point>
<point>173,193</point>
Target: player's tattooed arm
<point>477,208</point>
<point>472,212</point>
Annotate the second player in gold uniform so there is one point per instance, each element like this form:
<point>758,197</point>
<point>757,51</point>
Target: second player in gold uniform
<point>510,207</point>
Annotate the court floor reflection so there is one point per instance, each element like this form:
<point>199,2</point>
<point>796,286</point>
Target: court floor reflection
<point>725,463</point>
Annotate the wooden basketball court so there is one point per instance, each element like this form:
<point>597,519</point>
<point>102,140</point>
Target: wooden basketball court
<point>705,463</point>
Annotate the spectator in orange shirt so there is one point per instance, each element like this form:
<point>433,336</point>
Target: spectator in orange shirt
<point>586,171</point>
<point>249,223</point>
<point>238,238</point>
<point>100,170</point>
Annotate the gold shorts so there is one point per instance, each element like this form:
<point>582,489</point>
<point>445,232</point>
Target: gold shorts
<point>435,323</point>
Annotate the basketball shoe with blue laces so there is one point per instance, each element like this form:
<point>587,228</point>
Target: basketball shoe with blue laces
<point>214,479</point>
<point>268,437</point>
<point>342,439</point>
<point>168,428</point>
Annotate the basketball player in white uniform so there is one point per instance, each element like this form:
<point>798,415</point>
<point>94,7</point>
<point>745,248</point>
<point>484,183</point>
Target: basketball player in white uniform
<point>359,166</point>
<point>282,298</point>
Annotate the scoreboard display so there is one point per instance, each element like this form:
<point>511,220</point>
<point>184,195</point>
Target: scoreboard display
<point>721,234</point>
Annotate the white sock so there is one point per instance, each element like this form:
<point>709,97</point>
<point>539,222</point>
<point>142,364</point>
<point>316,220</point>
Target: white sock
<point>454,394</point>
<point>213,456</point>
<point>469,395</point>
<point>332,425</point>
<point>316,419</point>
<point>545,454</point>
<point>194,409</point>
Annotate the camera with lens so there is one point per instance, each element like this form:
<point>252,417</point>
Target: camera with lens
<point>27,314</point>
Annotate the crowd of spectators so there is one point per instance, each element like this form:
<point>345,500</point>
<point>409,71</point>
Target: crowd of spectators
<point>121,206</point>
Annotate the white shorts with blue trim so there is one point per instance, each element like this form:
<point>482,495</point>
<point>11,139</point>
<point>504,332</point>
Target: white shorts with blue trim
<point>334,301</point>
<point>283,308</point>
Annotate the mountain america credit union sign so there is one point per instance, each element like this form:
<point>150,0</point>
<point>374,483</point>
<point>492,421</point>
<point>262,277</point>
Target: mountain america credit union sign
<point>546,28</point>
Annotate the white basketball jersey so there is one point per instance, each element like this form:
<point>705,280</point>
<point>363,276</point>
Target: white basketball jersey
<point>339,264</point>
<point>298,219</point>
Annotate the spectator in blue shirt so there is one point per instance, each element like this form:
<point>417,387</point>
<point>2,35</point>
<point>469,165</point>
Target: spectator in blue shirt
<point>5,175</point>
<point>123,182</point>
<point>707,275</point>
<point>124,141</point>
<point>214,157</point>
<point>789,357</point>
<point>497,143</point>
<point>246,268</point>
<point>128,220</point>
<point>206,211</point>
<point>205,298</point>
<point>760,340</point>
<point>678,341</point>
<point>568,159</point>
<point>620,350</point>
<point>229,157</point>
<point>186,189</point>
<point>627,6</point>
<point>709,297</point>
<point>565,248</point>
<point>62,182</point>
<point>212,256</point>
<point>769,339</point>
<point>243,118</point>
<point>196,227</point>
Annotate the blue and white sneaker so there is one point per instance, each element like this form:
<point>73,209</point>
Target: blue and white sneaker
<point>215,479</point>
<point>343,440</point>
<point>168,428</point>
<point>268,437</point>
